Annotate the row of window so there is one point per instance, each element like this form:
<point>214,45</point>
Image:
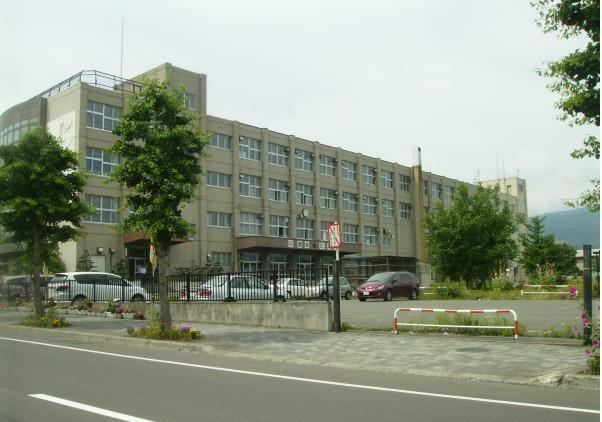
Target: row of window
<point>252,224</point>
<point>13,133</point>
<point>250,149</point>
<point>437,192</point>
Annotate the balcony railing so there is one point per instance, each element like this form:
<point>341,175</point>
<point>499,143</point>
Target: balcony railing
<point>97,79</point>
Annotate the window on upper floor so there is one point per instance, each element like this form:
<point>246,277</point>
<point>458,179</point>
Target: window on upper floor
<point>219,219</point>
<point>350,233</point>
<point>328,198</point>
<point>278,154</point>
<point>350,201</point>
<point>436,190</point>
<point>348,170</point>
<point>278,190</point>
<point>278,226</point>
<point>328,165</point>
<point>304,194</point>
<point>387,179</point>
<point>304,160</point>
<point>250,186</point>
<point>190,100</point>
<point>324,230</point>
<point>404,183</point>
<point>219,140</point>
<point>105,209</point>
<point>450,192</point>
<point>388,208</point>
<point>102,116</point>
<point>369,175</point>
<point>405,210</point>
<point>251,223</point>
<point>370,204</point>
<point>305,229</point>
<point>219,180</point>
<point>100,161</point>
<point>250,148</point>
<point>371,235</point>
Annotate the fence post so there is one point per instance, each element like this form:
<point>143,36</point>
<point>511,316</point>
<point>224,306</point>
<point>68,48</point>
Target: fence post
<point>587,292</point>
<point>326,278</point>
<point>274,280</point>
<point>187,287</point>
<point>229,281</point>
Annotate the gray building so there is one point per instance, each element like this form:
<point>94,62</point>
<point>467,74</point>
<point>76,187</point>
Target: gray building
<point>265,200</point>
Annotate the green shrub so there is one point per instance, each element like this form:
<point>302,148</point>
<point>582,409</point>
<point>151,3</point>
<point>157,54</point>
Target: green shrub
<point>154,332</point>
<point>464,319</point>
<point>502,283</point>
<point>450,290</point>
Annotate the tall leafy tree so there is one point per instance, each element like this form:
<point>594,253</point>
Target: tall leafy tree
<point>471,240</point>
<point>84,262</point>
<point>40,199</point>
<point>576,76</point>
<point>161,146</point>
<point>542,256</point>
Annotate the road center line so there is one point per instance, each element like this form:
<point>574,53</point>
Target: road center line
<point>310,380</point>
<point>91,409</point>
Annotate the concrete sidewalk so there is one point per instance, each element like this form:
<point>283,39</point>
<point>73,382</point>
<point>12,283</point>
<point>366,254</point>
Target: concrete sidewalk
<point>529,361</point>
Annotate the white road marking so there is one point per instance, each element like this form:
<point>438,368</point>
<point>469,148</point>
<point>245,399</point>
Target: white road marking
<point>311,380</point>
<point>91,409</point>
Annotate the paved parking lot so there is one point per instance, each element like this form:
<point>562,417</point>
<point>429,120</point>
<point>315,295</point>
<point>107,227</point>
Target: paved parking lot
<point>537,315</point>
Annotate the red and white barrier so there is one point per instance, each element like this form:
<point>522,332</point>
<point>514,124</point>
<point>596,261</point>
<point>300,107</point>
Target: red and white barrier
<point>572,293</point>
<point>396,323</point>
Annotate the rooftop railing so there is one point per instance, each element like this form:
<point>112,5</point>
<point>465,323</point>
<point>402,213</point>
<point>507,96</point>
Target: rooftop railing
<point>97,79</point>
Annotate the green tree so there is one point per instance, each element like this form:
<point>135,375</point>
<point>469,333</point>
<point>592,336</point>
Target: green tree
<point>576,76</point>
<point>472,240</point>
<point>161,146</point>
<point>541,256</point>
<point>84,263</point>
<point>40,203</point>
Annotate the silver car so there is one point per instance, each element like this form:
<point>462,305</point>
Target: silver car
<point>291,287</point>
<point>233,286</point>
<point>78,286</point>
<point>319,290</point>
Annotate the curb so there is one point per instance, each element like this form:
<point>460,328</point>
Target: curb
<point>554,380</point>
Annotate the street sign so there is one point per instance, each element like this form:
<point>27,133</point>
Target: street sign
<point>334,236</point>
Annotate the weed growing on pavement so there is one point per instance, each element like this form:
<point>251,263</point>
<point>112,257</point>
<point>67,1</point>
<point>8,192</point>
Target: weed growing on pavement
<point>593,351</point>
<point>49,320</point>
<point>564,331</point>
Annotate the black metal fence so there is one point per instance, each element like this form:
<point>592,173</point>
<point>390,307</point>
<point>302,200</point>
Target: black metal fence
<point>257,285</point>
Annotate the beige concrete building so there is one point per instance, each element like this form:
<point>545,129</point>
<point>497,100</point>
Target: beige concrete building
<point>265,200</point>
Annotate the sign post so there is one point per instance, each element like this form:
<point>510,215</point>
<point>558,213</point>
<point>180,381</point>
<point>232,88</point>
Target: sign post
<point>335,242</point>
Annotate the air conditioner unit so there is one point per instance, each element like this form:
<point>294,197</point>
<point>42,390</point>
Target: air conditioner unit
<point>386,231</point>
<point>336,193</point>
<point>260,216</point>
<point>286,149</point>
<point>334,160</point>
<point>374,171</point>
<point>356,196</point>
<point>365,197</point>
<point>312,155</point>
<point>287,185</point>
<point>241,138</point>
<point>241,176</point>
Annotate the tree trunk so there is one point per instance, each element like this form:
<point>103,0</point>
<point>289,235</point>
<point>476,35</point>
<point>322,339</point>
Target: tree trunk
<point>38,306</point>
<point>164,311</point>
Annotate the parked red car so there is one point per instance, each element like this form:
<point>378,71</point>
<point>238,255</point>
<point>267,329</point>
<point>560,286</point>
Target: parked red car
<point>388,285</point>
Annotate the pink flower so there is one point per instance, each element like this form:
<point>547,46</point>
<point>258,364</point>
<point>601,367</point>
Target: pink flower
<point>595,344</point>
<point>585,319</point>
<point>588,353</point>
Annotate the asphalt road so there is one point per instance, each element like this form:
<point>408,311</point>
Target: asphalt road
<point>40,381</point>
<point>537,315</point>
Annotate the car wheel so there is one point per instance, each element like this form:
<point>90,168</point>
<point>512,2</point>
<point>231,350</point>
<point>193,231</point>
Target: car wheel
<point>138,298</point>
<point>388,296</point>
<point>288,295</point>
<point>77,300</point>
<point>362,299</point>
<point>323,296</point>
<point>348,295</point>
<point>413,295</point>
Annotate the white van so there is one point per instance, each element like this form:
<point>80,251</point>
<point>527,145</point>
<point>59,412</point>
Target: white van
<point>78,286</point>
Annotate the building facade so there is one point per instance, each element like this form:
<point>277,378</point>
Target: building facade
<point>265,199</point>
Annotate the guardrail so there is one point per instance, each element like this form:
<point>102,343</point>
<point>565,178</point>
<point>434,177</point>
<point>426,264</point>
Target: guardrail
<point>396,323</point>
<point>569,291</point>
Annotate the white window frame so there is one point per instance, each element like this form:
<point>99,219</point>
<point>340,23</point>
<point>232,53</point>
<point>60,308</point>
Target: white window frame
<point>219,180</point>
<point>369,175</point>
<point>106,209</point>
<point>370,205</point>
<point>190,100</point>
<point>328,198</point>
<point>102,157</point>
<point>328,166</point>
<point>405,211</point>
<point>249,148</point>
<point>109,116</point>
<point>436,190</point>
<point>324,229</point>
<point>349,170</point>
<point>370,235</point>
<point>278,155</point>
<point>304,194</point>
<point>387,179</point>
<point>350,233</point>
<point>388,208</point>
<point>278,190</point>
<point>221,141</point>
<point>251,224</point>
<point>450,192</point>
<point>249,186</point>
<point>304,160</point>
<point>249,261</point>
<point>224,259</point>
<point>405,183</point>
<point>222,220</point>
<point>305,229</point>
<point>279,226</point>
<point>350,201</point>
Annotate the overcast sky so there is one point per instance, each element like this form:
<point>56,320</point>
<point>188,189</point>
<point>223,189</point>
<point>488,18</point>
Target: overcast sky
<point>456,78</point>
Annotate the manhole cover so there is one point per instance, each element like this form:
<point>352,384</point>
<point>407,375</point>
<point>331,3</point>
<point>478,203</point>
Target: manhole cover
<point>473,350</point>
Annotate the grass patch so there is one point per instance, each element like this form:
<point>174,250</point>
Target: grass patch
<point>49,320</point>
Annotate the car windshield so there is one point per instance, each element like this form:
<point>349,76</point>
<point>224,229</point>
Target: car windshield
<point>380,277</point>
<point>58,278</point>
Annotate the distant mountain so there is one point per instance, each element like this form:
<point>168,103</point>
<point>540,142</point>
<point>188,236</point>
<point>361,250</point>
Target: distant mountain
<point>576,227</point>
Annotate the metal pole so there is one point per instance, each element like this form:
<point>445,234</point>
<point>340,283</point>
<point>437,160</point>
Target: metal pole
<point>587,292</point>
<point>337,295</point>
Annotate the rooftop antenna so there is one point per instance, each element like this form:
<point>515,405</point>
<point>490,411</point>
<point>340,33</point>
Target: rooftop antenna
<point>121,61</point>
<point>504,176</point>
<point>497,168</point>
<point>477,179</point>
